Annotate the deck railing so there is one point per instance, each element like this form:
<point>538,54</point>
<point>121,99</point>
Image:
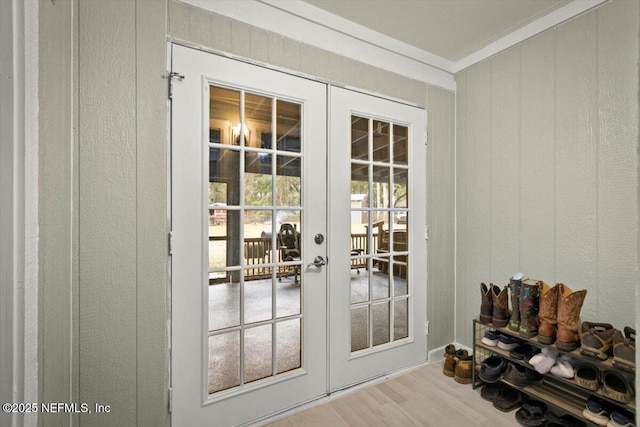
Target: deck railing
<point>257,251</point>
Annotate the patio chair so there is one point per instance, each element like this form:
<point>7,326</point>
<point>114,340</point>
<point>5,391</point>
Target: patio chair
<point>289,245</point>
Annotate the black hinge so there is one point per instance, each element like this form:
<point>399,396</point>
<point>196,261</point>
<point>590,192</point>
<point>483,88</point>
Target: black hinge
<point>173,75</point>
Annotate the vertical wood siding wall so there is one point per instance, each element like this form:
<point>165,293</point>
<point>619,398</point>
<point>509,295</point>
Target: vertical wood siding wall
<point>103,195</point>
<point>547,166</point>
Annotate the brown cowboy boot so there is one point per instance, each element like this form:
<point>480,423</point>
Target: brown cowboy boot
<point>514,292</point>
<point>548,314</point>
<point>529,307</point>
<point>486,305</point>
<point>569,306</point>
<point>500,301</point>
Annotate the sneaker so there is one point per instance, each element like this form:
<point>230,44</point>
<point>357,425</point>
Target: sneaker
<point>596,412</point>
<point>492,368</point>
<point>524,352</point>
<point>491,338</point>
<point>490,390</point>
<point>507,342</point>
<point>620,418</point>
<point>520,376</point>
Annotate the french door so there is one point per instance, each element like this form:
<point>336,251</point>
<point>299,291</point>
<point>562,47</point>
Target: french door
<point>261,320</point>
<point>248,200</point>
<point>377,247</point>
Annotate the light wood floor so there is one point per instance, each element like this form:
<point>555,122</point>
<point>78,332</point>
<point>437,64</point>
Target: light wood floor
<point>421,397</point>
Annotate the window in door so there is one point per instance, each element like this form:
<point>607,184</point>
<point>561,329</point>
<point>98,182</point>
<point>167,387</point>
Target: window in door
<point>254,251</point>
<point>379,229</point>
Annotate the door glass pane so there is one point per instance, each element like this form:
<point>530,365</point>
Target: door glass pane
<point>400,188</point>
<point>224,115</point>
<point>288,126</point>
<point>380,189</point>
<point>288,348</point>
<point>381,141</point>
<point>257,353</point>
<point>288,181</point>
<point>224,361</point>
<point>381,282</point>
<point>400,145</point>
<point>400,269</point>
<point>359,328</point>
<point>359,138</point>
<point>257,110</point>
<point>257,179</point>
<point>224,305</point>
<point>359,185</point>
<point>224,180</point>
<point>400,319</point>
<point>381,323</point>
<point>287,298</point>
<point>257,300</point>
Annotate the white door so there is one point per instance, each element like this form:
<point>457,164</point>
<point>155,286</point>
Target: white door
<point>377,246</point>
<point>248,200</point>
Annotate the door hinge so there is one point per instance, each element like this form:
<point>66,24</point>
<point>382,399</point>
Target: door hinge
<point>170,242</point>
<point>173,75</point>
<point>170,399</point>
<point>426,137</point>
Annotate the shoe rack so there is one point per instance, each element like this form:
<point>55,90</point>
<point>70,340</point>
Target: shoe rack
<point>562,394</point>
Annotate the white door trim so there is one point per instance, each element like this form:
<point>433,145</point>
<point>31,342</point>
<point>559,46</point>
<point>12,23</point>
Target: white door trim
<point>19,207</point>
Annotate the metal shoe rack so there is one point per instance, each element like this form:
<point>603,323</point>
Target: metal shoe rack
<point>562,396</point>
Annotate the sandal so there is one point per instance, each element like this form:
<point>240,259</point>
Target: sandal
<point>624,350</point>
<point>596,340</point>
<point>616,386</point>
<point>531,413</point>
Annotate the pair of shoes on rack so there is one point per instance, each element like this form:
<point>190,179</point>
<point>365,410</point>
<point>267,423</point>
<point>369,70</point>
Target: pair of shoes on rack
<point>503,397</point>
<point>494,305</point>
<point>598,412</point>
<point>549,360</point>
<point>494,367</point>
<point>457,364</point>
<point>503,341</point>
<point>615,385</point>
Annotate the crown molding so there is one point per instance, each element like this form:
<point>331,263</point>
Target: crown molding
<point>316,27</point>
<point>553,19</point>
<point>319,28</point>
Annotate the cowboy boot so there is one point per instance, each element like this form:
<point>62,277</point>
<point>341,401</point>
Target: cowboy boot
<point>548,314</point>
<point>529,307</point>
<point>514,292</point>
<point>500,301</point>
<point>569,306</point>
<point>486,305</point>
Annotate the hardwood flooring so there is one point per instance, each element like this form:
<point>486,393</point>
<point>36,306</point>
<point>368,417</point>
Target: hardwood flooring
<point>421,397</point>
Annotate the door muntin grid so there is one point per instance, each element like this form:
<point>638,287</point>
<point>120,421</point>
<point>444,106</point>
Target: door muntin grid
<point>254,194</point>
<point>380,291</point>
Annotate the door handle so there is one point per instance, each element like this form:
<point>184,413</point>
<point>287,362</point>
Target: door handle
<point>318,262</point>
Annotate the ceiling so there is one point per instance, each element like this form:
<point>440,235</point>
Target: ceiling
<point>452,29</point>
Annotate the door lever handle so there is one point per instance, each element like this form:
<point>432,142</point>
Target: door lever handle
<point>318,262</point>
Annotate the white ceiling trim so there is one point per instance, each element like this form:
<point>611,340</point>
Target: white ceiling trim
<point>318,28</point>
<point>551,20</point>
